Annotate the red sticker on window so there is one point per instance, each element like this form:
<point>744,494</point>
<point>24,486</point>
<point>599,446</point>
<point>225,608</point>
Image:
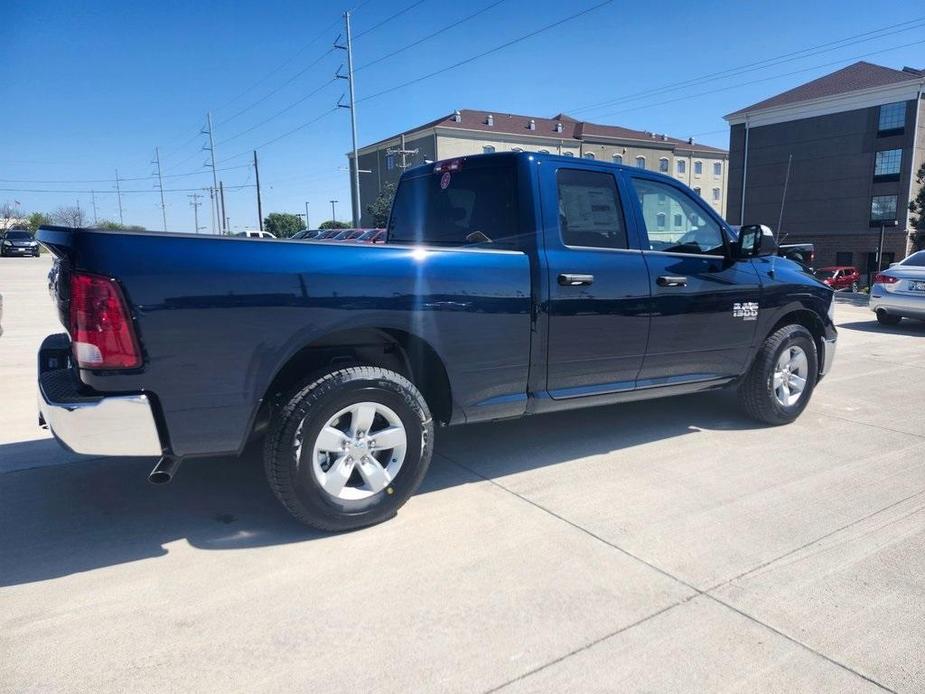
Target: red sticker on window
<point>445,180</point>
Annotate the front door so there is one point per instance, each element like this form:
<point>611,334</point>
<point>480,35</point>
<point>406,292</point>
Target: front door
<point>703,306</point>
<point>598,286</point>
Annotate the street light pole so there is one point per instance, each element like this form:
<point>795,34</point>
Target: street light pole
<point>883,224</point>
<point>333,214</point>
<point>306,216</point>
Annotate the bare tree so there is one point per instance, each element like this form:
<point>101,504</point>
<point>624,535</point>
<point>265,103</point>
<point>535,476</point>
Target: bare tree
<point>69,217</point>
<point>8,211</point>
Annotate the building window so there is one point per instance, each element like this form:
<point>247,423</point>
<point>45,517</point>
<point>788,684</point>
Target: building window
<point>844,258</point>
<point>717,168</point>
<point>389,161</point>
<point>488,149</point>
<point>660,220</point>
<point>678,221</point>
<point>716,195</point>
<point>640,162</point>
<point>887,164</point>
<point>697,190</point>
<point>698,168</point>
<point>588,155</point>
<point>882,208</point>
<point>617,158</point>
<point>682,166</point>
<point>663,165</point>
<point>892,118</point>
<point>568,154</point>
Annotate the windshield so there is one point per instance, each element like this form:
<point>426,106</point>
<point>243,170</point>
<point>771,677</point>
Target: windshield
<point>19,235</point>
<point>824,274</point>
<point>475,204</point>
<point>917,259</point>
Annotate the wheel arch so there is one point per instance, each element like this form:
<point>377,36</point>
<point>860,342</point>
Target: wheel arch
<point>388,348</point>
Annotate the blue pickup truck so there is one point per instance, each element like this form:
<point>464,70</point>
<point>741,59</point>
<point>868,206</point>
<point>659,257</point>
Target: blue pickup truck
<point>511,284</point>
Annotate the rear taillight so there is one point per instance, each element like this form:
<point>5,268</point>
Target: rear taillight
<point>880,278</point>
<point>101,329</point>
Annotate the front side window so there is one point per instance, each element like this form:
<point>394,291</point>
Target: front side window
<point>682,166</point>
<point>640,162</point>
<point>590,213</point>
<point>663,165</point>
<point>883,208</point>
<point>917,259</point>
<point>892,118</point>
<point>887,164</point>
<point>717,168</point>
<point>693,230</point>
<point>698,168</point>
<point>454,208</point>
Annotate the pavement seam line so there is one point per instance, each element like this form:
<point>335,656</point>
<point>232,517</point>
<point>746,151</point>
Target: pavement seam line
<point>658,569</point>
<point>872,426</point>
<point>812,542</point>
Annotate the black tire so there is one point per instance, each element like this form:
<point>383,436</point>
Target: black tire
<point>854,287</point>
<point>884,318</point>
<point>293,481</point>
<point>756,390</point>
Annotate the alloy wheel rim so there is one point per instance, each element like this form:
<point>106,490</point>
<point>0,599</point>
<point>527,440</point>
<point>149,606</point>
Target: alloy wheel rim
<point>358,452</point>
<point>790,374</point>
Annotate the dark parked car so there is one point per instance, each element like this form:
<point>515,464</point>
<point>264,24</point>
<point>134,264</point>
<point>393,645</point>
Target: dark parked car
<point>802,253</point>
<point>839,277</point>
<point>372,236</point>
<point>306,234</point>
<point>18,242</point>
<point>512,284</point>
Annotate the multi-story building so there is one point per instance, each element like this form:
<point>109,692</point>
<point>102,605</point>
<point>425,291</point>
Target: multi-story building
<point>845,149</point>
<point>476,132</point>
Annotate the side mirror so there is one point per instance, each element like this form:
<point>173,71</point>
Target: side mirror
<point>755,240</point>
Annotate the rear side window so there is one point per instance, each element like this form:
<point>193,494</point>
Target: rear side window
<point>590,214</point>
<point>917,259</point>
<point>473,205</point>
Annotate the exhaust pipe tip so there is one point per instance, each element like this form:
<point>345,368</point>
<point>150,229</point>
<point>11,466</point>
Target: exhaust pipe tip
<point>164,471</point>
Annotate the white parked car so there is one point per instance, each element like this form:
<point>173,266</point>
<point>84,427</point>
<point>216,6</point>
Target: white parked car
<point>899,292</point>
<point>255,234</point>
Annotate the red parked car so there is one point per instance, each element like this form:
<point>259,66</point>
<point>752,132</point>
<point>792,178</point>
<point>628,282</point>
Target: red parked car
<point>839,277</point>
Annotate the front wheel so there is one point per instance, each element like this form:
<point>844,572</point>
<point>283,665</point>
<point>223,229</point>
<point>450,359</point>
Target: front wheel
<point>884,318</point>
<point>780,383</point>
<point>854,287</point>
<point>348,449</point>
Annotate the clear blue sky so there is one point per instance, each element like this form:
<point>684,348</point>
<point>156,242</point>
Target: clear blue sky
<point>92,86</point>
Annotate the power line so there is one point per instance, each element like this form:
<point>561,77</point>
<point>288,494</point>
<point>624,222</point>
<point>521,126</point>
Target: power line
<point>429,36</point>
<point>762,79</point>
<point>285,134</point>
<point>121,191</point>
<point>473,58</point>
<point>121,178</point>
<point>762,64</point>
<point>389,18</point>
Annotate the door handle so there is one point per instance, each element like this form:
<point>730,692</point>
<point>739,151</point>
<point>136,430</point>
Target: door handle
<point>671,281</point>
<point>571,280</point>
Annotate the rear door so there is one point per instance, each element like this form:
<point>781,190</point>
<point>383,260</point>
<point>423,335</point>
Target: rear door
<point>703,305</point>
<point>597,282</point>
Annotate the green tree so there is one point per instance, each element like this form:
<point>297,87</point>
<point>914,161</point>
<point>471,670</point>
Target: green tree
<point>282,224</point>
<point>382,206</point>
<point>35,220</point>
<point>331,224</point>
<point>917,208</point>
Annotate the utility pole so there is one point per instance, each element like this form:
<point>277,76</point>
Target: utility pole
<point>194,203</point>
<point>355,183</point>
<point>212,207</point>
<point>333,214</point>
<point>160,184</point>
<point>306,216</point>
<point>80,221</point>
<point>119,196</point>
<point>259,206</point>
<point>221,196</point>
<point>93,202</point>
<point>211,148</point>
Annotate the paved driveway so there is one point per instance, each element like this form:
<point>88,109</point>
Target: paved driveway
<point>662,546</point>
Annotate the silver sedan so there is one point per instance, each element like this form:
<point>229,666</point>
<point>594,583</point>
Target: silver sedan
<point>899,292</point>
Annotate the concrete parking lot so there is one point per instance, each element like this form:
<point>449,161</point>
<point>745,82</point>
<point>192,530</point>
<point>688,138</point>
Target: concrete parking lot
<point>668,545</point>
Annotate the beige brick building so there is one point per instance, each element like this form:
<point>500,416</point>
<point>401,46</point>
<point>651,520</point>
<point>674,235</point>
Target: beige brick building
<point>467,132</point>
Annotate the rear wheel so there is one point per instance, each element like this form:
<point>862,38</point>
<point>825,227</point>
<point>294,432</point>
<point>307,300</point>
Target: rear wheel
<point>885,318</point>
<point>348,449</point>
<point>780,383</point>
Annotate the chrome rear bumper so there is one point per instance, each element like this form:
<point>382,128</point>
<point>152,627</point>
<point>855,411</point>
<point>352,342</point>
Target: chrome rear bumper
<point>92,424</point>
